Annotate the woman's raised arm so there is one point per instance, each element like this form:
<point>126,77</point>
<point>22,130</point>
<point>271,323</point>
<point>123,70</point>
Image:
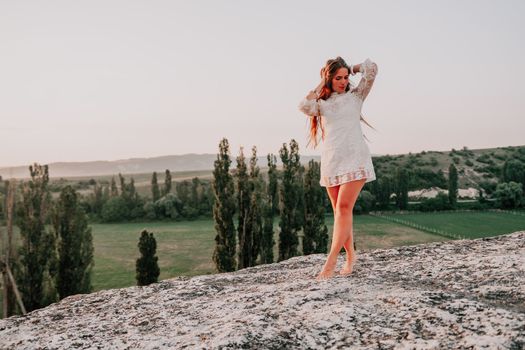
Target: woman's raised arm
<point>309,104</point>
<point>369,70</point>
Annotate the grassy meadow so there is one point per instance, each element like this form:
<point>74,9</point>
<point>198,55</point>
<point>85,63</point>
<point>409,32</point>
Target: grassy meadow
<point>186,248</point>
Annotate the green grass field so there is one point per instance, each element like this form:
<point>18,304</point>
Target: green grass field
<point>186,248</point>
<point>469,224</point>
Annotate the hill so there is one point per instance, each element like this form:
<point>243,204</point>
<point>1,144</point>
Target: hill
<point>176,163</point>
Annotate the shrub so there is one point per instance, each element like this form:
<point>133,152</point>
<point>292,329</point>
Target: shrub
<point>439,202</point>
<point>364,203</point>
<point>509,194</point>
<point>115,209</point>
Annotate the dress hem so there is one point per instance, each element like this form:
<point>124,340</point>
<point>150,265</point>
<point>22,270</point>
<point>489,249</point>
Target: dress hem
<point>331,181</point>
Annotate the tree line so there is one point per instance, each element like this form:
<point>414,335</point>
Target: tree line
<point>245,207</point>
<point>55,257</point>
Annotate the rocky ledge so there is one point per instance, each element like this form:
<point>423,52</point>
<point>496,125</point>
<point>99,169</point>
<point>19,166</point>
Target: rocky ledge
<point>464,294</point>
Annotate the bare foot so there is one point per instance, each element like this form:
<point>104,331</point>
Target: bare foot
<point>349,266</point>
<point>328,269</point>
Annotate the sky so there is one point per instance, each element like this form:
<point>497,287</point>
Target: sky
<point>107,80</point>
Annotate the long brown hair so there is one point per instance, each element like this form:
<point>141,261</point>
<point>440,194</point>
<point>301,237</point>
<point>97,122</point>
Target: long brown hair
<point>328,73</point>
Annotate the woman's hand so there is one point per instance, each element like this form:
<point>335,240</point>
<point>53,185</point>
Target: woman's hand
<point>314,94</point>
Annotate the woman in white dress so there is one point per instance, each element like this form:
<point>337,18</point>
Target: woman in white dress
<point>346,164</point>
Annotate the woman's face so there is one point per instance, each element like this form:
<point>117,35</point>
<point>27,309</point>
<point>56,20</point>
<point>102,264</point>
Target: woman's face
<point>340,80</point>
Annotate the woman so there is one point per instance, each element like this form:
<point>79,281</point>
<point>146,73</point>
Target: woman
<point>346,164</point>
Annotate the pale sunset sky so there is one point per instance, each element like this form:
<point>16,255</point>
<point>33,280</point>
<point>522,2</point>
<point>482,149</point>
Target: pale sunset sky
<point>107,80</point>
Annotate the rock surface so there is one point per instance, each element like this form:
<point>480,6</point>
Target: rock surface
<point>465,294</point>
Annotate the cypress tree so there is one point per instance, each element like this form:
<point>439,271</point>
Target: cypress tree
<point>288,202</point>
<point>147,267</point>
<point>123,187</point>
<point>105,195</point>
<point>114,189</point>
<point>273,193</point>
<point>300,196</point>
<point>223,210</point>
<point>206,197</point>
<point>155,191</point>
<point>195,192</point>
<point>132,192</point>
<point>130,198</point>
<point>269,209</point>
<point>75,246</point>
<point>315,239</point>
<point>167,183</point>
<point>402,188</point>
<point>243,204</point>
<point>452,185</point>
<point>38,258</point>
<point>385,191</point>
<point>255,221</point>
<point>183,189</point>
<point>98,200</point>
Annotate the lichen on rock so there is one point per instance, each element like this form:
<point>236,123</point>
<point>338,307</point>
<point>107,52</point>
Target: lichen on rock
<point>441,295</point>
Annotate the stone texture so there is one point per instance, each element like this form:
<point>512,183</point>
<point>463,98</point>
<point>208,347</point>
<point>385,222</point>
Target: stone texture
<point>465,294</point>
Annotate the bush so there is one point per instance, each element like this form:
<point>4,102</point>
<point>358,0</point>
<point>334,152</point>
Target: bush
<point>115,209</point>
<point>484,158</point>
<point>509,195</point>
<point>439,202</point>
<point>149,210</point>
<point>364,203</point>
<point>168,206</point>
<point>147,266</point>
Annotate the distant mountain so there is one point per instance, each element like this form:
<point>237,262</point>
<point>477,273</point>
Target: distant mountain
<point>474,165</point>
<point>176,163</point>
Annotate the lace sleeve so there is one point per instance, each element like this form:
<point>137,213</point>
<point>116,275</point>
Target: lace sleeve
<point>309,107</point>
<point>369,70</point>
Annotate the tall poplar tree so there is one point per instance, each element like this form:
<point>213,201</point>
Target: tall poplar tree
<point>385,191</point>
<point>114,189</point>
<point>255,220</point>
<point>243,205</point>
<point>315,239</point>
<point>402,177</point>
<point>196,189</point>
<point>271,204</point>
<point>38,258</point>
<point>289,202</point>
<point>75,245</point>
<point>167,183</point>
<point>98,200</point>
<point>452,185</point>
<point>155,191</point>
<point>273,183</point>
<point>223,210</point>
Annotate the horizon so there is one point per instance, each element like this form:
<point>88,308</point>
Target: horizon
<point>234,155</point>
<point>119,79</point>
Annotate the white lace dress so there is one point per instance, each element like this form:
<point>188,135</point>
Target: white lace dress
<point>344,154</point>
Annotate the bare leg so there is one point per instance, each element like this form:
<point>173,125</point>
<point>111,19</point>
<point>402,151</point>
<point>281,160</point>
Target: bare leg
<point>346,198</point>
<point>350,253</point>
<point>351,256</point>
